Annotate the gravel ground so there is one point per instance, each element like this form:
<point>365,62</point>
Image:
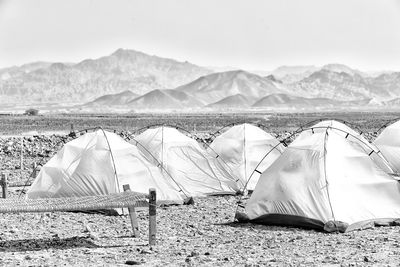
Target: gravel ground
<point>202,234</point>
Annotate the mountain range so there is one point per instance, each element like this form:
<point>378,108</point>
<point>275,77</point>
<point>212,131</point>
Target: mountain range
<point>136,81</point>
<point>84,81</point>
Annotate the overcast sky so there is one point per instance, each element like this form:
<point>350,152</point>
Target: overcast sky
<point>249,34</point>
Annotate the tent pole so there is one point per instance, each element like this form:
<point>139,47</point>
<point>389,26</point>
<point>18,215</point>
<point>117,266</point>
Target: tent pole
<point>113,161</point>
<point>326,178</point>
<point>162,146</point>
<point>244,151</point>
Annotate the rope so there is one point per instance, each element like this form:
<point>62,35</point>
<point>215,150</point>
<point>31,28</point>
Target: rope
<point>117,200</point>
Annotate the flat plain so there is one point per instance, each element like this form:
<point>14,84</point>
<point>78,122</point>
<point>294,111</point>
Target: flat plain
<point>202,234</point>
<point>203,122</point>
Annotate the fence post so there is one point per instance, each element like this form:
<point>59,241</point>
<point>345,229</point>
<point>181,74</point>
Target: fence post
<point>152,216</point>
<point>4,184</point>
<point>132,214</point>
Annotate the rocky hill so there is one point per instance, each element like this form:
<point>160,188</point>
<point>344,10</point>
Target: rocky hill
<point>348,86</point>
<point>12,72</point>
<point>330,86</point>
<point>92,78</point>
<point>164,99</point>
<point>291,74</point>
<point>284,100</point>
<point>217,86</point>
<point>114,99</point>
<point>235,101</point>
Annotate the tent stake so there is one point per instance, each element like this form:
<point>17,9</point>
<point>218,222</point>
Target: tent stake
<point>132,214</point>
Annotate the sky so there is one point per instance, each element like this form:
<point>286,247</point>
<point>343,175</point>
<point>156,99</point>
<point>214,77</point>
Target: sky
<point>247,34</point>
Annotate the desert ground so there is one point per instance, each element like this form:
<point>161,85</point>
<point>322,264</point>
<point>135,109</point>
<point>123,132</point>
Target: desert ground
<point>202,234</point>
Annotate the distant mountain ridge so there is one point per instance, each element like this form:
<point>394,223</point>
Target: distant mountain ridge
<point>91,78</point>
<point>164,99</point>
<point>15,71</point>
<point>133,80</point>
<point>217,86</point>
<point>234,101</point>
<point>290,74</point>
<point>284,100</point>
<point>347,86</point>
<point>115,99</point>
<point>330,86</point>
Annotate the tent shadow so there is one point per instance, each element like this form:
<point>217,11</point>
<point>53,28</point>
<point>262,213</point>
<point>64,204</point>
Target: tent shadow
<point>272,228</point>
<point>236,224</point>
<point>50,243</point>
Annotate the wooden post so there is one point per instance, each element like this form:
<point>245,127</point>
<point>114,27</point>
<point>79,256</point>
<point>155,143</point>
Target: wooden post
<point>4,184</point>
<point>132,214</point>
<point>152,216</point>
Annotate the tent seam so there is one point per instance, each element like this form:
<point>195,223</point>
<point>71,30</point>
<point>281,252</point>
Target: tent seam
<point>325,176</point>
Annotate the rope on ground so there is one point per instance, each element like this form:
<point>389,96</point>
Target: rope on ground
<point>117,200</point>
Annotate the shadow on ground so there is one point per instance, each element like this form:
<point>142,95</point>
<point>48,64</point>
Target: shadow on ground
<point>272,227</point>
<point>47,243</point>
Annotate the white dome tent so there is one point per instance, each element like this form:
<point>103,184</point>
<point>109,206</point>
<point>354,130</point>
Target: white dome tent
<point>242,147</point>
<point>388,142</point>
<point>197,172</point>
<point>353,136</point>
<point>100,163</point>
<point>324,180</point>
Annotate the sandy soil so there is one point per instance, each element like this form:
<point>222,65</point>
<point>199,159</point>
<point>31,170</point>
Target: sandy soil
<point>197,235</point>
<point>202,234</point>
